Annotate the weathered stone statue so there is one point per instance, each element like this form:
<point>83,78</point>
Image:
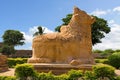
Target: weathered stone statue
<point>71,46</point>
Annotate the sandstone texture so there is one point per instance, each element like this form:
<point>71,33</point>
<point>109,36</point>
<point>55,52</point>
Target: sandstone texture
<point>3,63</point>
<point>72,45</point>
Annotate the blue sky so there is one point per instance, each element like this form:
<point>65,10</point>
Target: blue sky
<point>26,15</point>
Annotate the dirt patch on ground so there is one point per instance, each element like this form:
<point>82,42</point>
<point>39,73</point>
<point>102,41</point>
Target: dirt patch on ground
<point>117,72</point>
<point>10,72</point>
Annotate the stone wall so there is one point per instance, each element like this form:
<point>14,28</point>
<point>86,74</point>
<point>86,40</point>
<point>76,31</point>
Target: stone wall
<point>3,63</point>
<point>22,53</point>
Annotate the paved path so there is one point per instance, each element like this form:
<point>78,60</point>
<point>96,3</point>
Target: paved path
<point>117,72</point>
<point>10,72</point>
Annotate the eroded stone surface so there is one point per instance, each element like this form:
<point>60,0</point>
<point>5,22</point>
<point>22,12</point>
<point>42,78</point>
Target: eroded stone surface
<point>72,45</point>
<point>3,63</point>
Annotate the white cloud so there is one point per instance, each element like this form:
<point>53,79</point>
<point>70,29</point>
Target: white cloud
<point>111,22</point>
<point>99,12</point>
<point>117,9</point>
<point>47,30</point>
<point>34,29</point>
<point>112,40</point>
<point>29,36</point>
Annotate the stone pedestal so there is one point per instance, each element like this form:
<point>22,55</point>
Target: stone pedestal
<point>59,68</point>
<point>3,63</point>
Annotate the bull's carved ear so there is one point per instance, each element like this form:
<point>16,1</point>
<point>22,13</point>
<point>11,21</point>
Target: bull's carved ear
<point>76,10</point>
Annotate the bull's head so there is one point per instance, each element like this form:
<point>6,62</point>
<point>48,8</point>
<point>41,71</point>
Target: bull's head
<point>81,17</point>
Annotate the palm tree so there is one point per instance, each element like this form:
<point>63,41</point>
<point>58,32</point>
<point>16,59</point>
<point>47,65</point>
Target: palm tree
<point>39,32</point>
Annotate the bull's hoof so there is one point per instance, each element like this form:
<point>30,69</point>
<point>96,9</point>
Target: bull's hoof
<point>75,62</point>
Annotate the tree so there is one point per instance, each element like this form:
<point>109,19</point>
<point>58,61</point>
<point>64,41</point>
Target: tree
<point>99,28</point>
<point>114,60</point>
<point>39,32</point>
<point>7,50</point>
<point>97,51</point>
<point>107,52</point>
<point>13,38</point>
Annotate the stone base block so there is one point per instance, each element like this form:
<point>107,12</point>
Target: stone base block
<point>2,69</point>
<point>60,68</point>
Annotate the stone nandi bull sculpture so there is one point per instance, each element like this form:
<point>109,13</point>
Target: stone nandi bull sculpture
<point>72,45</point>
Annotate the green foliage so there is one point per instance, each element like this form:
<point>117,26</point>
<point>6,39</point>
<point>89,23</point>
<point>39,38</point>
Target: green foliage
<point>13,38</point>
<point>118,50</point>
<point>107,52</point>
<point>57,29</point>
<point>7,50</point>
<point>89,75</point>
<point>71,75</point>
<point>117,78</point>
<point>12,62</point>
<point>39,32</point>
<point>99,28</point>
<point>75,74</point>
<point>62,77</point>
<point>67,19</point>
<point>0,50</point>
<point>102,70</point>
<point>104,53</point>
<point>46,76</point>
<point>7,78</point>
<point>104,61</point>
<point>24,71</point>
<point>97,51</point>
<point>114,59</point>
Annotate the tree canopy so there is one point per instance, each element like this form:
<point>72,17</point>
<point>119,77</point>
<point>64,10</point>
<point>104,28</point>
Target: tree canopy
<point>99,28</point>
<point>7,50</point>
<point>13,38</point>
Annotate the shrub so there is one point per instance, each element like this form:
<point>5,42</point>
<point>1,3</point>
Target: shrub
<point>97,51</point>
<point>12,62</point>
<point>62,77</point>
<point>74,74</point>
<point>114,59</point>
<point>104,61</point>
<point>89,75</point>
<point>7,50</point>
<point>117,78</point>
<point>46,76</point>
<point>103,70</point>
<point>24,71</point>
<point>118,50</point>
<point>7,78</point>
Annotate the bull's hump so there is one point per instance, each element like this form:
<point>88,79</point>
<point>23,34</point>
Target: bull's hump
<point>51,36</point>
